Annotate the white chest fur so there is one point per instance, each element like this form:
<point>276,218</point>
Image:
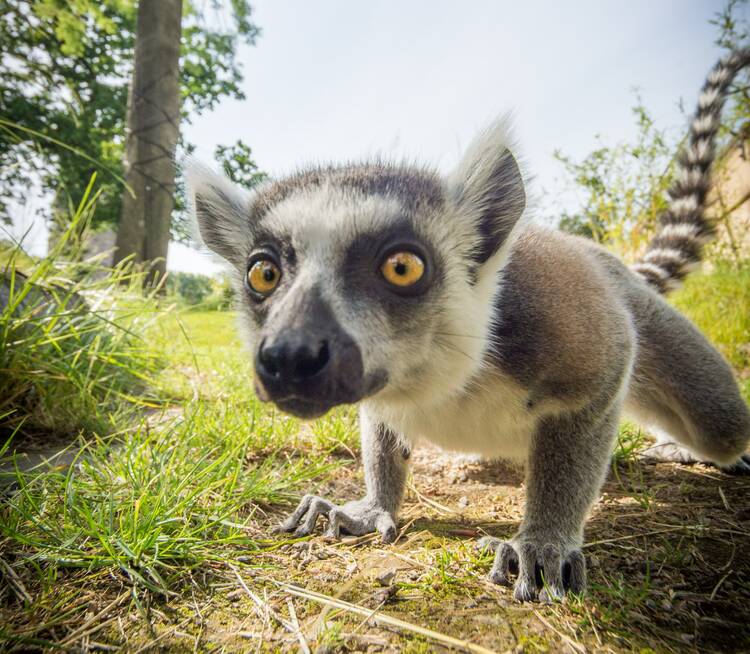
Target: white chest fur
<point>491,419</point>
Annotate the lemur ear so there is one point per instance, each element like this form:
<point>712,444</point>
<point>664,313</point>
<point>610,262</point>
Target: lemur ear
<point>220,210</point>
<point>488,187</point>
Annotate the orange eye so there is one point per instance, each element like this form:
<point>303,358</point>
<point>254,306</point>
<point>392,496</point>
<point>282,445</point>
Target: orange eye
<point>403,269</point>
<point>263,276</point>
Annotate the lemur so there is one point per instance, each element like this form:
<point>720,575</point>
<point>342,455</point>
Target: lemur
<point>431,303</point>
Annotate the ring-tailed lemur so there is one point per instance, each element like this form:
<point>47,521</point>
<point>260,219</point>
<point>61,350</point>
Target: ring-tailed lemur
<point>446,317</point>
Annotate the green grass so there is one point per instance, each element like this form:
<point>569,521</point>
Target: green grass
<point>166,497</point>
<point>72,355</point>
<point>719,304</point>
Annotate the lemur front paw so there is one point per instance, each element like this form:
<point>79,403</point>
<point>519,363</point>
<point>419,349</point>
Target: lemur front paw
<point>356,518</point>
<point>547,569</point>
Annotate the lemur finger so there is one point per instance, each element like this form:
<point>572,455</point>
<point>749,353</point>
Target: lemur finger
<point>505,564</point>
<point>489,543</point>
<point>574,572</point>
<point>334,523</point>
<point>386,526</point>
<point>338,518</point>
<point>290,524</point>
<point>740,467</point>
<point>551,564</point>
<point>526,584</point>
<point>318,506</point>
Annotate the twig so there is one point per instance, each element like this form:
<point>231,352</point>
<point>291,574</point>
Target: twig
<point>262,606</point>
<point>593,624</point>
<point>718,585</point>
<point>16,582</point>
<point>166,633</point>
<point>383,618</point>
<point>435,505</point>
<point>576,646</point>
<point>82,629</point>
<point>724,499</point>
<point>295,623</point>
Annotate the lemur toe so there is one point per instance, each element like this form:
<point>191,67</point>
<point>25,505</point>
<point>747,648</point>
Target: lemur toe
<point>489,544</point>
<point>740,467</point>
<point>546,573</point>
<point>505,564</point>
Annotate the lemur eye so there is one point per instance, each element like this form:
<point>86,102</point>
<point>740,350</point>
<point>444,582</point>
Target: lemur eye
<point>263,276</point>
<point>402,269</point>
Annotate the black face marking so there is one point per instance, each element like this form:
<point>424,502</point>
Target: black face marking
<point>312,364</point>
<point>503,201</point>
<point>362,281</point>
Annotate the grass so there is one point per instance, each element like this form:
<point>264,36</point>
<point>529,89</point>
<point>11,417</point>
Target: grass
<point>719,304</point>
<point>156,532</point>
<point>71,359</point>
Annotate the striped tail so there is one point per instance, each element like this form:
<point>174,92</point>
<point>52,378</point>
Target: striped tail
<point>683,228</point>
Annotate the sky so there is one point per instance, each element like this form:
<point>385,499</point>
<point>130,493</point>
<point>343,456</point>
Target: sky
<point>342,80</point>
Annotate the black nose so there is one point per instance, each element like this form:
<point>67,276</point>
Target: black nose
<point>293,359</point>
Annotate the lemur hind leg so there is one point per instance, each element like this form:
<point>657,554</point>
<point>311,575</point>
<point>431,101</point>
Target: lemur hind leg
<point>684,389</point>
<point>385,462</point>
<point>566,466</point>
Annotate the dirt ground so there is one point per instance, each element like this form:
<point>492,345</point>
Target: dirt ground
<point>668,549</point>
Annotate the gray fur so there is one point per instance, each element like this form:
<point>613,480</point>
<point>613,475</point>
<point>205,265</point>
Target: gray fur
<point>517,342</point>
<point>384,458</point>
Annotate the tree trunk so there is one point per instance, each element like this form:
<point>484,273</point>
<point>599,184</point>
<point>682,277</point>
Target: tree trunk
<point>153,130</point>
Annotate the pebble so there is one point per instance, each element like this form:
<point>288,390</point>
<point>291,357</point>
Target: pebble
<point>386,577</point>
<point>463,502</point>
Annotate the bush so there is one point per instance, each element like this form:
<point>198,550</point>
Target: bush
<point>70,357</point>
<point>200,291</point>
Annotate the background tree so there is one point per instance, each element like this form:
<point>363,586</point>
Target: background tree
<point>64,73</point>
<point>153,131</point>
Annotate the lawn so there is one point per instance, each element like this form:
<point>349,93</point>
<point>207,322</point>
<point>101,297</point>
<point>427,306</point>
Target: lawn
<point>158,536</point>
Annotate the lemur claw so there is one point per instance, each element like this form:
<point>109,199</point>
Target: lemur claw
<point>355,518</point>
<point>545,572</point>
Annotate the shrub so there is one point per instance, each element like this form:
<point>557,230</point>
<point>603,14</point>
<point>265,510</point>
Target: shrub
<point>70,354</point>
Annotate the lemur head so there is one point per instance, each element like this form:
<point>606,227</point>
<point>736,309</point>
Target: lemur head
<point>366,281</point>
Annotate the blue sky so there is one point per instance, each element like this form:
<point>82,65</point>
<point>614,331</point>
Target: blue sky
<point>335,80</point>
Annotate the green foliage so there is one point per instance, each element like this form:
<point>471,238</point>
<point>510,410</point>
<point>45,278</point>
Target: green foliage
<point>200,291</point>
<point>238,164</point>
<point>621,187</point>
<point>155,506</point>
<point>733,25</point>
<point>189,287</point>
<point>70,359</point>
<point>64,74</point>
<point>719,305</point>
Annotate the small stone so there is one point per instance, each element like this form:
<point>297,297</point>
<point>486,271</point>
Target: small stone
<point>463,502</point>
<point>386,577</point>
